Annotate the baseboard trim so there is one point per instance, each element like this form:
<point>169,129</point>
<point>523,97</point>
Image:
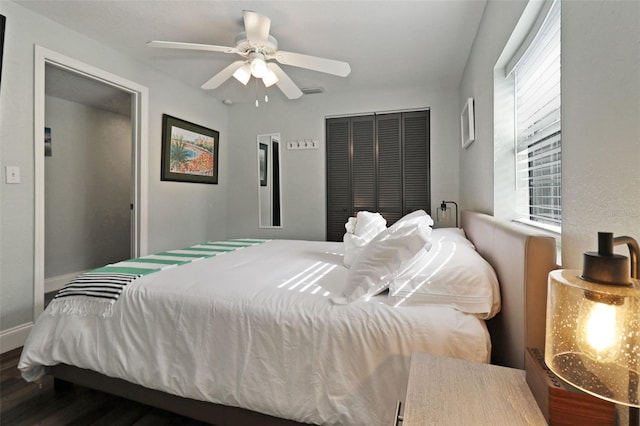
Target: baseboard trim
<point>14,337</point>
<point>56,283</point>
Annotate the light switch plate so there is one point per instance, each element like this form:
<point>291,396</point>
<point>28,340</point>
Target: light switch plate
<point>13,174</point>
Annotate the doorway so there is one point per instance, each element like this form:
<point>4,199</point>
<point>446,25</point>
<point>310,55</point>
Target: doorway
<point>88,175</point>
<point>82,79</point>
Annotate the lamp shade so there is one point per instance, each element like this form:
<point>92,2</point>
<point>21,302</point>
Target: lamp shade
<point>243,74</point>
<point>270,78</point>
<point>593,336</point>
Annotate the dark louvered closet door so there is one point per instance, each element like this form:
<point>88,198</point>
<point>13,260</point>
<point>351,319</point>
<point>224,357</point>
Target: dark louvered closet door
<point>338,177</point>
<point>376,163</point>
<point>363,164</point>
<point>417,185</point>
<point>389,166</point>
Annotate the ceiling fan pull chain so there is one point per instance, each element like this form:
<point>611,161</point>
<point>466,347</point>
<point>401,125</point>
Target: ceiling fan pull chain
<point>256,91</point>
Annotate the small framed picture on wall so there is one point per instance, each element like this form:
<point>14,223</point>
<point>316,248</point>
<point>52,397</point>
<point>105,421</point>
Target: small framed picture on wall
<point>467,124</point>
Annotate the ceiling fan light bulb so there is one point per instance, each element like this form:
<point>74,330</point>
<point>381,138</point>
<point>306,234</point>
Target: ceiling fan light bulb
<point>269,78</point>
<point>258,67</point>
<point>243,74</point>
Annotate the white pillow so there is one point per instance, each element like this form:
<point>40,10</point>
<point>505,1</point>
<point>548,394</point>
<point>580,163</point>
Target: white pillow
<point>418,215</point>
<point>451,234</point>
<point>360,230</point>
<point>350,226</point>
<point>386,256</point>
<point>369,224</point>
<point>452,273</point>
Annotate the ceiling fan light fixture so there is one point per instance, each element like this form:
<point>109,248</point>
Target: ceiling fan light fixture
<point>258,67</point>
<point>256,46</point>
<point>243,74</point>
<point>269,78</point>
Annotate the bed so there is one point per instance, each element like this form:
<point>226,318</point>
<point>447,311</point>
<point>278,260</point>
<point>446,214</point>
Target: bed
<point>268,346</point>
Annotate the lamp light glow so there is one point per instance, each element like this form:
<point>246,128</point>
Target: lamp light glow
<point>600,328</point>
<point>258,67</point>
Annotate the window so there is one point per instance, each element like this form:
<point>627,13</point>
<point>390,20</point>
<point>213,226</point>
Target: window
<point>537,124</point>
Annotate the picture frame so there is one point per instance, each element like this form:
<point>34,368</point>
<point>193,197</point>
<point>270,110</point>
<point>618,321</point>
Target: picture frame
<point>263,155</point>
<point>189,152</point>
<point>467,124</point>
<point>3,24</point>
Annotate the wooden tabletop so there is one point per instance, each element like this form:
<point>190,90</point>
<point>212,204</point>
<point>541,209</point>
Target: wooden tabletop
<point>447,391</point>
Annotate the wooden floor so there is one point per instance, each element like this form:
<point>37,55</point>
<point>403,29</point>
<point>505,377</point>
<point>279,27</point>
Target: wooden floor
<point>38,403</point>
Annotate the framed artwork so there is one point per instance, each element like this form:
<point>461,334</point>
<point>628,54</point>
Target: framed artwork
<point>262,160</point>
<point>467,125</point>
<point>189,151</point>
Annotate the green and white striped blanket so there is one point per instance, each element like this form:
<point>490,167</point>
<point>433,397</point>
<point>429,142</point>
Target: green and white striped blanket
<point>95,292</point>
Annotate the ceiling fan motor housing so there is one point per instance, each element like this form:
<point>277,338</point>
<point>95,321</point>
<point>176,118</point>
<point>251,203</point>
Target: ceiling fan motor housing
<point>267,47</point>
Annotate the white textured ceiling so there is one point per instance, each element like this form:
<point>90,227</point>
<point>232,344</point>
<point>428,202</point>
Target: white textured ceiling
<point>387,43</point>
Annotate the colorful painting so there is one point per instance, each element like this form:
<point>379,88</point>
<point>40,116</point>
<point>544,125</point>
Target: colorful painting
<point>189,151</point>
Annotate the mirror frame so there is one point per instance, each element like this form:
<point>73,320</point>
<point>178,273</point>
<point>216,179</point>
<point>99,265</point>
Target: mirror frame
<point>269,168</point>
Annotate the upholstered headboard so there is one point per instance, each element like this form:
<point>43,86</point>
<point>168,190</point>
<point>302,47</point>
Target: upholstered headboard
<point>522,260</point>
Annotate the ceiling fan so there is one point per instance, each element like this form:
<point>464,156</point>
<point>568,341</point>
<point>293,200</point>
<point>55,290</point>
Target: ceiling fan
<point>257,48</point>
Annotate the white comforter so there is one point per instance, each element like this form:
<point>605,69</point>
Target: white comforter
<point>256,329</point>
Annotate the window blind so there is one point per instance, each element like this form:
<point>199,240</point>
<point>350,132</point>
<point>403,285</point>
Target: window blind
<point>538,132</point>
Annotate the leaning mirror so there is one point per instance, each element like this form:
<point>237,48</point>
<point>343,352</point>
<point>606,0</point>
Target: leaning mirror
<point>269,203</point>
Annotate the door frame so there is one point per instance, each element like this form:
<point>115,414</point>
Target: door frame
<point>139,124</point>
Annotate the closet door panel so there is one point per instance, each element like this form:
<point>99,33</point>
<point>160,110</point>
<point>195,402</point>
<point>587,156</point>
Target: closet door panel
<point>363,163</point>
<point>338,177</point>
<point>389,133</point>
<point>376,163</point>
<point>415,132</point>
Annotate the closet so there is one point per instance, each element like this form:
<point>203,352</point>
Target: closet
<point>377,162</point>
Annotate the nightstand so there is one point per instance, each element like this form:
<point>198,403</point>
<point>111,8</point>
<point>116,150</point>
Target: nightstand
<point>447,391</point>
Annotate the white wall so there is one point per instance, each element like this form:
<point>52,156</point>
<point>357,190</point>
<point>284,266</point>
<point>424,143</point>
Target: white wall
<point>180,214</point>
<point>303,171</point>
<point>600,118</point>
<point>600,124</point>
<point>477,161</point>
<point>88,182</point>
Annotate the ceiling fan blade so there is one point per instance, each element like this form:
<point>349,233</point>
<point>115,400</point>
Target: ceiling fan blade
<point>191,46</point>
<point>256,26</point>
<point>285,84</point>
<point>222,76</point>
<point>329,66</point>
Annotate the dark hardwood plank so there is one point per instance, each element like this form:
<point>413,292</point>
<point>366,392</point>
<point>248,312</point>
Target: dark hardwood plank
<point>23,403</point>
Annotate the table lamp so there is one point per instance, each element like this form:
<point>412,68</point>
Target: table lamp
<point>593,324</point>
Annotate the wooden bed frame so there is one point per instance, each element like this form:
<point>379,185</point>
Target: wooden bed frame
<point>521,259</point>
